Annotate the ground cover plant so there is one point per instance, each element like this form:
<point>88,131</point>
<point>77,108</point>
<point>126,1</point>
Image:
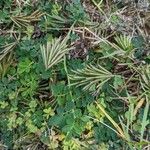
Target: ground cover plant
<point>74,74</point>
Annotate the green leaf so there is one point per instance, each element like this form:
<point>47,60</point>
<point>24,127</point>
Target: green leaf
<point>24,66</point>
<point>49,112</point>
<point>3,104</point>
<point>91,77</point>
<point>33,104</point>
<point>118,81</point>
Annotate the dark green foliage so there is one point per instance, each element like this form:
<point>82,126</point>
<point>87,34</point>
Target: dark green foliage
<point>72,77</point>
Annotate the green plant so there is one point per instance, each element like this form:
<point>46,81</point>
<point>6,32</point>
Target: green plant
<point>24,21</point>
<point>51,97</point>
<point>54,51</point>
<point>6,49</point>
<point>124,42</point>
<point>5,64</point>
<point>91,77</point>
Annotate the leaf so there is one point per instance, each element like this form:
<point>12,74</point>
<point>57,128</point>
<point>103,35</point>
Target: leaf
<point>58,89</point>
<point>5,64</point>
<point>56,120</point>
<point>118,81</point>
<point>6,49</point>
<point>120,131</point>
<point>37,118</point>
<point>19,121</point>
<point>138,42</point>
<point>49,112</point>
<point>124,42</point>
<point>3,104</point>
<point>24,66</point>
<point>67,128</point>
<point>145,122</point>
<point>33,104</point>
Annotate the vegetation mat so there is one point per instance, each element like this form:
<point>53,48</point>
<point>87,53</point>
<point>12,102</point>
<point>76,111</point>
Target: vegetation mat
<point>74,74</point>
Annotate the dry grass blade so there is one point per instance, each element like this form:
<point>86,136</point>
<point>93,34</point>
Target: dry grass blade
<point>144,77</point>
<point>5,64</point>
<point>120,131</point>
<point>54,51</point>
<point>6,49</point>
<point>139,105</point>
<point>145,120</point>
<point>22,20</point>
<point>58,21</point>
<point>91,76</point>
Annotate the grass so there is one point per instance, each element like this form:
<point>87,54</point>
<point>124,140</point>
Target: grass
<point>74,75</point>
